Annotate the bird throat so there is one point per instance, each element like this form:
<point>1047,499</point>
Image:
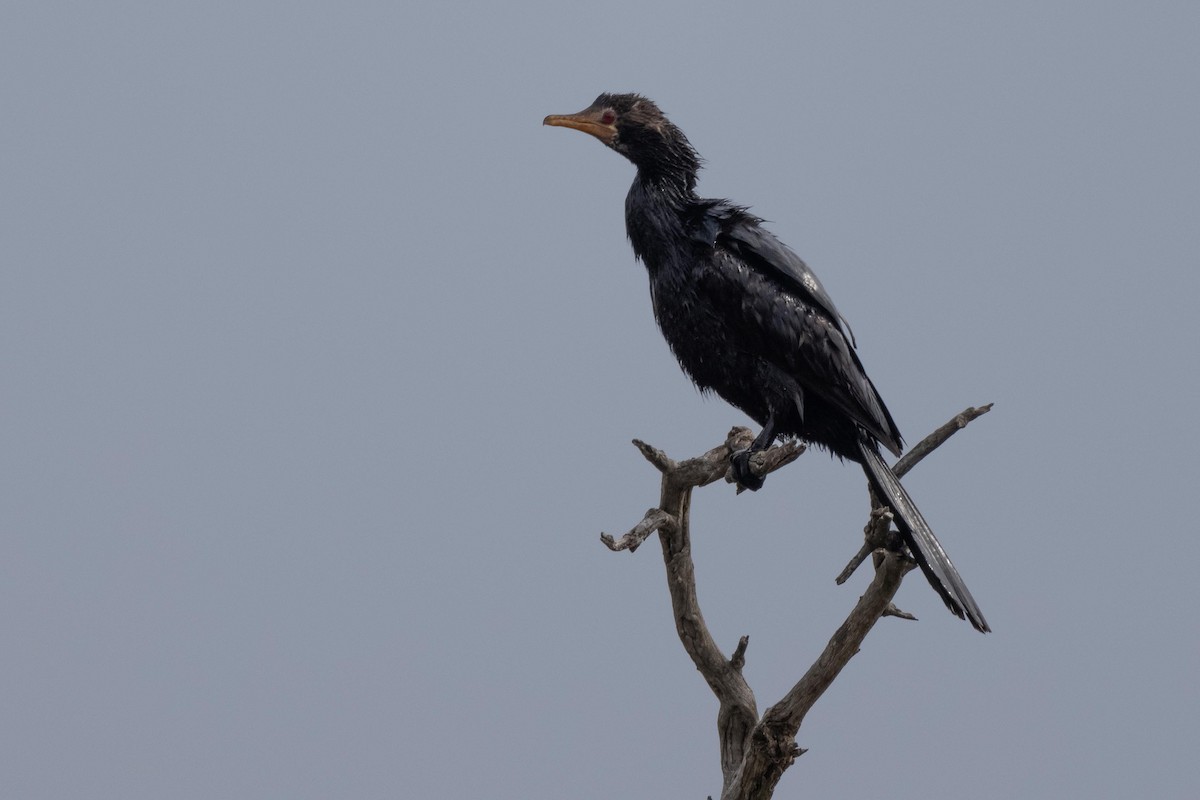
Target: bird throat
<point>655,209</point>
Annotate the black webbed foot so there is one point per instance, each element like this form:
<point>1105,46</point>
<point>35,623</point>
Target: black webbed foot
<point>740,464</point>
<point>739,461</point>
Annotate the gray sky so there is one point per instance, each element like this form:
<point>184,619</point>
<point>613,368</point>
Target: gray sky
<point>322,357</point>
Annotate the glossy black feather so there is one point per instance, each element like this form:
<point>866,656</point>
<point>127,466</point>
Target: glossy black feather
<point>931,557</point>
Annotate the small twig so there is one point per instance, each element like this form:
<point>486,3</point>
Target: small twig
<point>655,520</point>
<point>892,611</point>
<point>877,535</point>
<point>738,659</point>
<point>655,456</point>
<point>935,439</point>
<point>854,564</point>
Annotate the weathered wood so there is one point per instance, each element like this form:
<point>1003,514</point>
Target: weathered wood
<point>755,752</point>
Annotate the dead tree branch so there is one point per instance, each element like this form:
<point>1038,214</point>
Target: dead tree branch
<point>755,752</point>
<point>878,533</point>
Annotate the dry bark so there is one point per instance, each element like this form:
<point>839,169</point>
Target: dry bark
<point>755,751</point>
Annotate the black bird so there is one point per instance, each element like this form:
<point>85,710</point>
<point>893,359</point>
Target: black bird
<point>747,319</point>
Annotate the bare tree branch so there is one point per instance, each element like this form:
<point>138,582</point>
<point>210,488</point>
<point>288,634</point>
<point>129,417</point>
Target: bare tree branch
<point>773,741</point>
<point>937,438</point>
<point>755,752</point>
<point>878,534</point>
<point>655,520</point>
<point>738,712</point>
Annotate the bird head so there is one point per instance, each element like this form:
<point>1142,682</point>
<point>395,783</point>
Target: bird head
<point>636,128</point>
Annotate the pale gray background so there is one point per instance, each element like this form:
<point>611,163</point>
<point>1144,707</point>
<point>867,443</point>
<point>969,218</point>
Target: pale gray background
<point>320,358</point>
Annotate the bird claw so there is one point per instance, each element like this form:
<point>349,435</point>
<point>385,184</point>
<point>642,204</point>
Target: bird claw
<point>739,463</point>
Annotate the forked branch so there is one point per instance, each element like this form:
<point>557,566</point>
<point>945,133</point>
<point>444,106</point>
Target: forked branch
<point>755,752</point>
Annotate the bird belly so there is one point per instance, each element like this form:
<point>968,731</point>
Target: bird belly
<point>711,354</point>
<point>706,332</point>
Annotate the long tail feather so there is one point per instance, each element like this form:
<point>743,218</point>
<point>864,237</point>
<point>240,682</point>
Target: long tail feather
<point>927,550</point>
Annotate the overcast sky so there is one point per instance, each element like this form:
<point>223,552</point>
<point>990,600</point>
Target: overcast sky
<point>321,358</point>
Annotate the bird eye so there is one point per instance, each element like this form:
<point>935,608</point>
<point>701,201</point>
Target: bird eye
<point>608,117</point>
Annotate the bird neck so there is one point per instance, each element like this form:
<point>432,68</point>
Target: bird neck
<point>655,216</point>
<point>671,168</point>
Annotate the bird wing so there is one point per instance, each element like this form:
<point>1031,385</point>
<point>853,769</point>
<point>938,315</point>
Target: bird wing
<point>805,333</point>
<point>745,237</point>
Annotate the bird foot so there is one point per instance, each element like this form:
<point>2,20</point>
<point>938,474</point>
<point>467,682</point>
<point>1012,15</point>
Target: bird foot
<point>742,469</point>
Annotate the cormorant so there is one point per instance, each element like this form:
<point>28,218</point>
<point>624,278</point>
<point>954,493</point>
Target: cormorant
<point>747,319</point>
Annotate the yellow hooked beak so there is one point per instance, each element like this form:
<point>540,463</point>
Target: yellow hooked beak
<point>590,120</point>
